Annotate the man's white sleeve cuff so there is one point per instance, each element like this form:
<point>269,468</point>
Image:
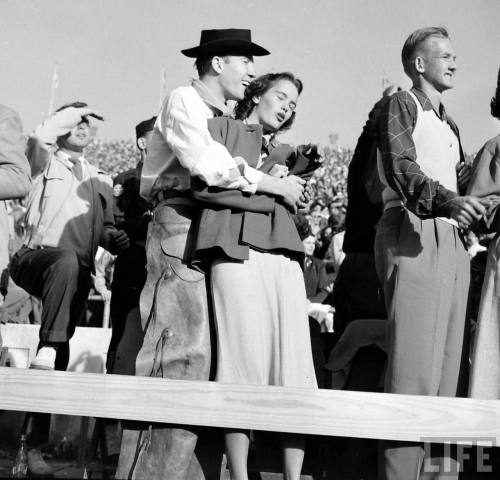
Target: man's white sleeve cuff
<point>243,178</point>
<point>252,175</point>
<point>248,179</point>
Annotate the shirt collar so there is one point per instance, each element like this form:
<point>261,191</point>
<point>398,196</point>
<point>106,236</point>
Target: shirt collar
<point>269,142</point>
<point>427,104</point>
<point>68,160</point>
<point>219,108</point>
<point>268,139</point>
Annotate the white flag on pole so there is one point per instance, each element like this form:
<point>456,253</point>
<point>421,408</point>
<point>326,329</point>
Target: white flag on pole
<point>55,78</point>
<point>53,87</point>
<point>163,85</point>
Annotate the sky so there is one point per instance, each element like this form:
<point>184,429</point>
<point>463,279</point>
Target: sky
<point>110,53</point>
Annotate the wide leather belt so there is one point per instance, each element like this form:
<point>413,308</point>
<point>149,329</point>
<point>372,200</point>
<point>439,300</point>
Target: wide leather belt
<point>171,193</point>
<point>175,197</point>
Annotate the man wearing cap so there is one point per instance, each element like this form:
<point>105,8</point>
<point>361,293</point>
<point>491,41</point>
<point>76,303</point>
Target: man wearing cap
<point>132,214</point>
<point>174,308</point>
<point>69,213</point>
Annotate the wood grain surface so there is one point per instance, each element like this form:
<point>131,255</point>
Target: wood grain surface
<point>325,412</point>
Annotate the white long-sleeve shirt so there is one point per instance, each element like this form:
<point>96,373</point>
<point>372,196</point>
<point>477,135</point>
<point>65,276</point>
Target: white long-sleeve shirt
<point>181,147</point>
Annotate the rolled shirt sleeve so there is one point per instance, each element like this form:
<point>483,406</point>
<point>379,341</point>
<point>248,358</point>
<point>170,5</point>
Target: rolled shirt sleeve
<point>248,179</point>
<point>423,196</point>
<point>183,125</point>
<point>185,129</point>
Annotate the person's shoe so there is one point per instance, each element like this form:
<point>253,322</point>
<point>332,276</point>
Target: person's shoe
<point>37,465</point>
<point>45,359</point>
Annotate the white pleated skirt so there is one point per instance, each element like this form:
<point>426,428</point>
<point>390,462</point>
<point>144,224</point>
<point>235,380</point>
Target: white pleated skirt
<point>261,320</point>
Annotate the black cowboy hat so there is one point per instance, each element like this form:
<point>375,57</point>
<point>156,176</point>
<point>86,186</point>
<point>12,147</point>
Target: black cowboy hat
<point>228,41</point>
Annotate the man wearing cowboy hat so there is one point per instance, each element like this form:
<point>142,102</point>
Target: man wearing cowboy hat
<point>174,308</point>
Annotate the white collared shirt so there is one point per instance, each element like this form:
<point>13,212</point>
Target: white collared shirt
<point>181,147</point>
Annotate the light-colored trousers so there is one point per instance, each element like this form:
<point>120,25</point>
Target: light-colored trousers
<point>424,271</point>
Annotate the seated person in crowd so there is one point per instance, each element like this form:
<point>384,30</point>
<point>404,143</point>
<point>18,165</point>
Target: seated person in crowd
<point>316,216</point>
<point>323,241</point>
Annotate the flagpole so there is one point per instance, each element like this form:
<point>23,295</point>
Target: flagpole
<point>163,79</point>
<point>385,80</point>
<point>53,87</point>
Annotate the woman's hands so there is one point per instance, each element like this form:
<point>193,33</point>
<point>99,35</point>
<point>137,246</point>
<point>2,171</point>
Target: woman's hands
<point>289,189</point>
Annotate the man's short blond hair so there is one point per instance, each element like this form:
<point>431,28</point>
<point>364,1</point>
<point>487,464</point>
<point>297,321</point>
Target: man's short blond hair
<point>414,41</point>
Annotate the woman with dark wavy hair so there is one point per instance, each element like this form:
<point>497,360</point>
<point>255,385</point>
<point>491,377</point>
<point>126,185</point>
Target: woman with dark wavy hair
<point>251,248</point>
<point>485,182</point>
<point>257,89</point>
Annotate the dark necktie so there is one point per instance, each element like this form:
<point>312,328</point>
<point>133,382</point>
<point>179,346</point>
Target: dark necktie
<point>78,170</point>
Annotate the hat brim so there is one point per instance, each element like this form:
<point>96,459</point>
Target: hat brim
<point>226,47</point>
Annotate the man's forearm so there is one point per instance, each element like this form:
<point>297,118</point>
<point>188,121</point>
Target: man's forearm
<point>420,194</point>
<point>38,156</point>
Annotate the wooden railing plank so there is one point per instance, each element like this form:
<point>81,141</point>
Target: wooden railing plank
<point>325,412</point>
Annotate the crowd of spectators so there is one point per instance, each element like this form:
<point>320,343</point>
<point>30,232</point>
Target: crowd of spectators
<point>328,183</point>
<point>112,156</point>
